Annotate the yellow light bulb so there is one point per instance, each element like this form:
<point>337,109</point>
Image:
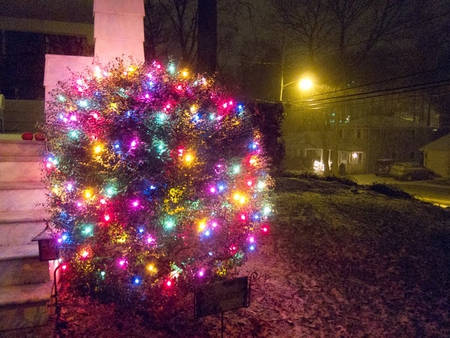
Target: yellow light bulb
<point>98,148</point>
<point>306,84</point>
<point>239,198</point>
<point>188,158</point>
<point>253,160</point>
<point>185,73</point>
<point>194,108</point>
<point>97,72</point>
<point>201,225</point>
<point>88,194</point>
<point>151,268</point>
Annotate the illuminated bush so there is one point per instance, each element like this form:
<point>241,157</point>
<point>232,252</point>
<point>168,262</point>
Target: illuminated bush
<point>157,180</point>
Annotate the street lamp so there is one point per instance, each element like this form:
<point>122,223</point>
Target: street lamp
<point>304,84</point>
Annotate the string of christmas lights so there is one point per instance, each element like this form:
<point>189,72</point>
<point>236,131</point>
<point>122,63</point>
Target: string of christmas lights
<point>156,178</point>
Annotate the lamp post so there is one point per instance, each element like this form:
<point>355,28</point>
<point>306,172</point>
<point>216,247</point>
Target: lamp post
<point>320,101</point>
<point>304,84</point>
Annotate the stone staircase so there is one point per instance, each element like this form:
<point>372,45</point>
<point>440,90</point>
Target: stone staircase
<point>25,281</point>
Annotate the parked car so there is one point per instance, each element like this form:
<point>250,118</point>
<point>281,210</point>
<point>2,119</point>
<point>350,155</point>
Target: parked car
<point>409,171</point>
<point>383,166</point>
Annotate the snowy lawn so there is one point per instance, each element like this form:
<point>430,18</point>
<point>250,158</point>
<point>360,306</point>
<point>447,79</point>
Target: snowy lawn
<point>340,261</point>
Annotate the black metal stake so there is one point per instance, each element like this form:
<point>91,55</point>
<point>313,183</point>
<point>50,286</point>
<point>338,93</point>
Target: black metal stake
<point>221,335</point>
<point>55,284</point>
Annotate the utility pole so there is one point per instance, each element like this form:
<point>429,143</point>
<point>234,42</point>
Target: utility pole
<point>207,36</point>
<point>283,49</point>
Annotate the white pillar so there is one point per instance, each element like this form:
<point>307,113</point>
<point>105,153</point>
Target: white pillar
<point>119,29</point>
<point>118,33</point>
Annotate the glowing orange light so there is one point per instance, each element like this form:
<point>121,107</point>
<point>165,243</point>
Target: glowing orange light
<point>88,194</point>
<point>98,148</point>
<point>151,268</point>
<point>189,158</point>
<point>239,198</point>
<point>201,225</point>
<point>194,108</point>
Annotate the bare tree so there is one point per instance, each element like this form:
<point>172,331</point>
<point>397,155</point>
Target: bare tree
<point>183,17</point>
<point>309,23</point>
<point>156,25</point>
<point>339,34</point>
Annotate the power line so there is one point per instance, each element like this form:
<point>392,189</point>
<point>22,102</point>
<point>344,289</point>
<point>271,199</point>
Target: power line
<point>384,81</point>
<point>377,93</point>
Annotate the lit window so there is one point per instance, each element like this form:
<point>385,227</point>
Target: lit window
<point>356,158</point>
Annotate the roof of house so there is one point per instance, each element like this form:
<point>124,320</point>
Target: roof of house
<point>314,140</point>
<point>442,143</point>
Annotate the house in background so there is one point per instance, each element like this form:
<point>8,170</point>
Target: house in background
<point>359,144</point>
<point>437,156</point>
<point>308,151</point>
<point>385,137</point>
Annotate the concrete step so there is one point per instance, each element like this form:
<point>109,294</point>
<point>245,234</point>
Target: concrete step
<point>24,306</point>
<point>14,148</point>
<point>22,196</point>
<point>20,169</point>
<point>20,265</point>
<point>19,228</point>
